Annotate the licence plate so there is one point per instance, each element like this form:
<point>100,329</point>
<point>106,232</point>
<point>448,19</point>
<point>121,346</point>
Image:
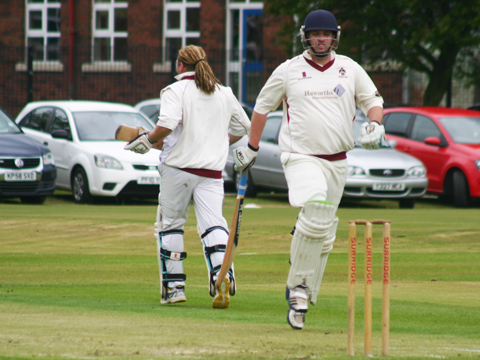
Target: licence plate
<point>21,176</point>
<point>389,187</point>
<point>148,180</point>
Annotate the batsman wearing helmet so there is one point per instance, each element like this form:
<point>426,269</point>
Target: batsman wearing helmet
<point>199,119</point>
<point>319,90</point>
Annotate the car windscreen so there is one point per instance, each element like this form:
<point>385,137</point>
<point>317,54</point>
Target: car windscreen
<point>7,126</point>
<point>101,125</point>
<point>463,130</point>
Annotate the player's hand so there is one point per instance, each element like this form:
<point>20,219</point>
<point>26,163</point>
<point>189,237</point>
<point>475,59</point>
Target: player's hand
<point>372,135</point>
<point>140,145</point>
<point>244,157</point>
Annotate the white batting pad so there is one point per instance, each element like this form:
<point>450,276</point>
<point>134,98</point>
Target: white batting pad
<point>322,263</point>
<point>311,230</point>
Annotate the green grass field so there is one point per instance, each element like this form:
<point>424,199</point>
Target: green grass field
<point>81,282</point>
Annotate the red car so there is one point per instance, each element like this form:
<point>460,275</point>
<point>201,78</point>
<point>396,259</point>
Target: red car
<point>447,141</point>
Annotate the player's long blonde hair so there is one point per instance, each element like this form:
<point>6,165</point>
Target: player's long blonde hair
<point>195,59</point>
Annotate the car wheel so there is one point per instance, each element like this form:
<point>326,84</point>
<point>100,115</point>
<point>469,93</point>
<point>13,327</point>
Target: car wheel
<point>250,191</point>
<point>39,200</point>
<point>81,194</point>
<point>407,203</point>
<point>461,195</point>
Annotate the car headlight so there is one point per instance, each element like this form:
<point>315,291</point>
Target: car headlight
<point>416,171</point>
<point>355,171</point>
<point>48,159</point>
<point>477,163</point>
<point>108,162</point>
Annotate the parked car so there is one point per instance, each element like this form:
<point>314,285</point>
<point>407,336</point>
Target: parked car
<point>372,174</point>
<point>447,141</point>
<point>27,168</point>
<point>150,107</point>
<point>90,162</point>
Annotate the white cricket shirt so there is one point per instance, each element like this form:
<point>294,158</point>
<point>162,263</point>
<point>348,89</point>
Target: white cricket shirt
<point>200,124</point>
<point>318,103</point>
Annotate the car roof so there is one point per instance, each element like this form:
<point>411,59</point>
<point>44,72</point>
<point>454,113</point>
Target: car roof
<point>434,110</point>
<point>83,105</point>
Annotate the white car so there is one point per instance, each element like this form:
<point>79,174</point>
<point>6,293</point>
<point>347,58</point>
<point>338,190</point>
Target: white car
<point>150,107</point>
<point>89,161</point>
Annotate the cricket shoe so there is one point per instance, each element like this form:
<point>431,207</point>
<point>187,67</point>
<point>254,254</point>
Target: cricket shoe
<point>222,296</point>
<point>175,295</point>
<point>296,319</point>
<point>298,298</point>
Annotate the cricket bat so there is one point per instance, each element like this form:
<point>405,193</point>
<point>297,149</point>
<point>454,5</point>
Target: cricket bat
<point>128,133</point>
<point>222,300</point>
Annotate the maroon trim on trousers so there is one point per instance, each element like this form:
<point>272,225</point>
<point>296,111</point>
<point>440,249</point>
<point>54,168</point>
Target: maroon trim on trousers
<point>319,67</point>
<point>213,174</point>
<point>333,157</point>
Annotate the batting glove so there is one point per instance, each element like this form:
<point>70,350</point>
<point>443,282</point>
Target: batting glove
<point>244,157</point>
<point>372,135</point>
<point>140,145</point>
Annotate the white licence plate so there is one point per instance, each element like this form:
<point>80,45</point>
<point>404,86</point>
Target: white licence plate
<point>148,180</point>
<point>21,176</point>
<point>389,187</point>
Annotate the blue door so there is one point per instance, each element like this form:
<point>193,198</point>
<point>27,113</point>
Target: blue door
<point>252,74</point>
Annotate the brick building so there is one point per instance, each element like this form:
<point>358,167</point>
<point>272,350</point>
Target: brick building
<point>122,50</point>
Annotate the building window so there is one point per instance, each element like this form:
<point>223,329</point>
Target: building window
<point>181,26</point>
<point>110,30</point>
<point>43,29</point>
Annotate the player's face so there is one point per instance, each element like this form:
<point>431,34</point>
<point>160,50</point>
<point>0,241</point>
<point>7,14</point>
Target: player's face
<point>320,40</point>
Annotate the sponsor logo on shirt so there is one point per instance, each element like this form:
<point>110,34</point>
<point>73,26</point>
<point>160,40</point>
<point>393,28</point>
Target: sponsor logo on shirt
<point>316,95</point>
<point>339,90</point>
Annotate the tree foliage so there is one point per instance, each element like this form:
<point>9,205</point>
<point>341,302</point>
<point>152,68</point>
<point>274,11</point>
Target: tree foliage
<point>428,36</point>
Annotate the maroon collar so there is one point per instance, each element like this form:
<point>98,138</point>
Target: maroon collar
<point>319,67</point>
<point>189,77</point>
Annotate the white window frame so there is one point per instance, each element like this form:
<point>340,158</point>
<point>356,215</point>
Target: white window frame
<point>182,32</point>
<point>110,32</point>
<point>43,33</point>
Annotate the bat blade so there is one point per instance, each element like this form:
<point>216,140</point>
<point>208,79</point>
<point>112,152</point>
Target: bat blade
<point>128,133</point>
<point>232,243</point>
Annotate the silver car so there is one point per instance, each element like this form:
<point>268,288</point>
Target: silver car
<point>372,174</point>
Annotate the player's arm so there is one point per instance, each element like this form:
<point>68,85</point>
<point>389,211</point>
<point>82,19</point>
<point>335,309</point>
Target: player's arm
<point>256,128</point>
<point>244,157</point>
<point>375,114</point>
<point>153,139</point>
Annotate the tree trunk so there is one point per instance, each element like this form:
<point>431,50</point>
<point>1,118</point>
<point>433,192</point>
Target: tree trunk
<point>439,77</point>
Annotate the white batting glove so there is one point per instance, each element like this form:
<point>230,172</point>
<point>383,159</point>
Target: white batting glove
<point>372,135</point>
<point>140,145</point>
<point>244,157</point>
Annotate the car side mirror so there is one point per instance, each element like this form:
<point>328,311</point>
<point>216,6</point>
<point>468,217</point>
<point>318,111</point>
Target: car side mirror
<point>61,134</point>
<point>433,140</point>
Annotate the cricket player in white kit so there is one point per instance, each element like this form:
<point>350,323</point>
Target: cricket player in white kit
<point>198,121</point>
<point>319,90</point>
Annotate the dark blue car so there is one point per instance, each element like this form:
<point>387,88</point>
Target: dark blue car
<point>27,168</point>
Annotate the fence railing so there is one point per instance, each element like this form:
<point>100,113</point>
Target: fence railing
<point>144,74</point>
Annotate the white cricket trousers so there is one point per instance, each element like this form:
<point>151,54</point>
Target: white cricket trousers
<point>177,189</point>
<point>311,178</point>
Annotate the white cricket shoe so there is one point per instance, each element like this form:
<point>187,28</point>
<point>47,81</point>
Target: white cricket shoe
<point>175,295</point>
<point>222,297</point>
<point>298,298</point>
<point>296,319</point>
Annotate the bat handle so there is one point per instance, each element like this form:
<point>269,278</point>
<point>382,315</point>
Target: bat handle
<point>242,186</point>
